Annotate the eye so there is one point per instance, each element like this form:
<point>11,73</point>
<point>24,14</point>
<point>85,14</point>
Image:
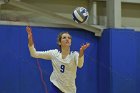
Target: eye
<point>64,37</point>
<point>69,37</point>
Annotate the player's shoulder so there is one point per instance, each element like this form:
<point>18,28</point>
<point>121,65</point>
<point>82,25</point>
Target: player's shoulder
<point>74,53</point>
<point>55,52</point>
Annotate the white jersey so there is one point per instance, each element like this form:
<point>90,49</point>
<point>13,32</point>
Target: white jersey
<point>64,70</point>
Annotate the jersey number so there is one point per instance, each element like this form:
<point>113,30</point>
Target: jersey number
<point>62,68</point>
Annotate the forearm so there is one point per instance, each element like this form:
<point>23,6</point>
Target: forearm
<point>30,41</point>
<point>81,54</point>
<point>32,50</point>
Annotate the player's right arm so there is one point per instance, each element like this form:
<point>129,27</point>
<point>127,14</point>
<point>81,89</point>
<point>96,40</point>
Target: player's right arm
<point>36,54</point>
<point>30,37</point>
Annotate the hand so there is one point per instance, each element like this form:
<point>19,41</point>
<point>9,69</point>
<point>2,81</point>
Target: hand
<point>82,49</point>
<point>30,38</point>
<point>29,31</point>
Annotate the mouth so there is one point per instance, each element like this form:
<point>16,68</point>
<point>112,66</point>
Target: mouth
<point>67,42</point>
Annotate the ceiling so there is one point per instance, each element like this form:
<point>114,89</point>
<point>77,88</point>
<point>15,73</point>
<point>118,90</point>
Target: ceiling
<point>43,13</point>
<point>56,13</point>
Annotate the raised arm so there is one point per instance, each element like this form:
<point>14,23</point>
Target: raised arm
<point>36,54</point>
<point>81,54</point>
<point>30,37</point>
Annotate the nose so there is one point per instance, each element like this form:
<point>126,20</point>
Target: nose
<point>67,38</point>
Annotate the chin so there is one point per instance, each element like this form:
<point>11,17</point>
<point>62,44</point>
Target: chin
<point>67,45</point>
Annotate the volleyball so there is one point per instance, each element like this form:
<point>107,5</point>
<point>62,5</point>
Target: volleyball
<point>80,15</point>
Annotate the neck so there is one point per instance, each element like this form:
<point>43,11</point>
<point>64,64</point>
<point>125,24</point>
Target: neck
<point>65,51</point>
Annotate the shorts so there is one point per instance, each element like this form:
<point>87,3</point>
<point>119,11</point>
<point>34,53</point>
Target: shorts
<point>54,89</point>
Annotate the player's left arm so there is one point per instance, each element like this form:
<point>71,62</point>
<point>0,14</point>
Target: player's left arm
<point>81,54</point>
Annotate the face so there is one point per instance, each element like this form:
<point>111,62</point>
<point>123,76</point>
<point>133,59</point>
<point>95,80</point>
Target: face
<point>65,40</point>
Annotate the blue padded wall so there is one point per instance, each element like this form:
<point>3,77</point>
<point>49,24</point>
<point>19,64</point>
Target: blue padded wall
<point>123,61</point>
<point>138,62</point>
<point>19,71</point>
<point>118,61</point>
<point>112,62</point>
<point>104,62</point>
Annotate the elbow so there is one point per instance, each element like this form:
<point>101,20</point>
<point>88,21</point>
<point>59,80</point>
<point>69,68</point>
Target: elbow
<point>33,55</point>
<point>32,51</point>
<point>80,65</point>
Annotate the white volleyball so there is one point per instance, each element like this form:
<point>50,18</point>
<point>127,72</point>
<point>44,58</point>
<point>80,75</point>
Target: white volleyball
<point>80,15</point>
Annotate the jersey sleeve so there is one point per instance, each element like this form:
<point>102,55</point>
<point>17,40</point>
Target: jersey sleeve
<point>42,54</point>
<point>79,61</point>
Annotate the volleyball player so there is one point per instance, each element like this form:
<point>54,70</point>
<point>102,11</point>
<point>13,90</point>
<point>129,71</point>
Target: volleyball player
<point>64,62</point>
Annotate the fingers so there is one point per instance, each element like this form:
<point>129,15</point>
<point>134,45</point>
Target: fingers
<point>28,29</point>
<point>83,47</point>
<point>87,45</point>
